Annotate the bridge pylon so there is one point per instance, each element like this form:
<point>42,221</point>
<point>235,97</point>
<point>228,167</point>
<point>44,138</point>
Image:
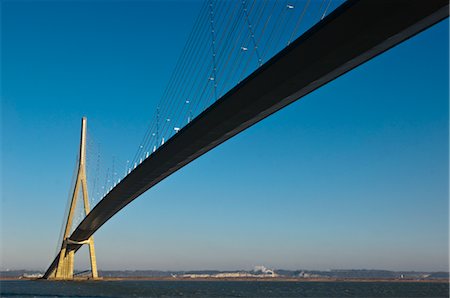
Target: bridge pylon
<point>64,268</point>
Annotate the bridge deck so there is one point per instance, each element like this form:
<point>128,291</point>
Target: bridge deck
<point>354,33</point>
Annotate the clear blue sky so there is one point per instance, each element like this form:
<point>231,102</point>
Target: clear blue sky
<point>355,175</point>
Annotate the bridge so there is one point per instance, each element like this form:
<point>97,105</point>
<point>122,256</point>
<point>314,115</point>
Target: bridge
<point>353,33</point>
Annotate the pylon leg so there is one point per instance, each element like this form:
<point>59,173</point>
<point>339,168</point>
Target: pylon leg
<point>66,268</point>
<point>70,260</point>
<point>65,264</point>
<point>60,272</point>
<point>93,258</point>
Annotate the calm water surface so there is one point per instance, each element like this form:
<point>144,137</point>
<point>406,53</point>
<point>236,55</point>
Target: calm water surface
<point>25,288</point>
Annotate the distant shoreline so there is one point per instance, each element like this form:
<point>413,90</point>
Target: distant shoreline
<point>276,279</point>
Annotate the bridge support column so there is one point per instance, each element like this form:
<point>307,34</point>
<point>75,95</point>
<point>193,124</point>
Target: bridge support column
<point>93,258</point>
<point>64,268</point>
<point>65,264</point>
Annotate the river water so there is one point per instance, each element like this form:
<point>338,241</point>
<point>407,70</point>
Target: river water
<point>27,288</point>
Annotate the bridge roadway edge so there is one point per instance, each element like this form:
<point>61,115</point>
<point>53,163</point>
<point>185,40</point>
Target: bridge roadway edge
<point>354,33</point>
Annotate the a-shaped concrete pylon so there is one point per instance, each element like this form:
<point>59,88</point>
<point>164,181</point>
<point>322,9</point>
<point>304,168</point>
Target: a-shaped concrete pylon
<point>64,269</point>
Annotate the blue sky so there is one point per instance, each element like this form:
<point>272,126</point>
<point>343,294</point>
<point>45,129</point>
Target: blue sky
<point>354,175</point>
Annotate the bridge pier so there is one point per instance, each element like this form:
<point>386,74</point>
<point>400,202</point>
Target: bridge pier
<point>65,265</point>
<point>93,258</point>
<point>65,260</point>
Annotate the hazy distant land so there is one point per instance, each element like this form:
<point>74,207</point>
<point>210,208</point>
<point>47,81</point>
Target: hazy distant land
<point>259,273</point>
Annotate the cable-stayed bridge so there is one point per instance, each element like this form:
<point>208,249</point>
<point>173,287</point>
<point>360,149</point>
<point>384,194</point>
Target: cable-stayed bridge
<point>226,80</point>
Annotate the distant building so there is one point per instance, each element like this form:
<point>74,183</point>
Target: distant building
<point>304,274</point>
<point>233,275</point>
<point>196,275</point>
<point>32,275</point>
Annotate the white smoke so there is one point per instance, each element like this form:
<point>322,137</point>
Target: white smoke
<point>263,269</point>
